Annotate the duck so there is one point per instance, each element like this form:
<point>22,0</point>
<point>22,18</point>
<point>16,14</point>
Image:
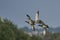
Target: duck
<point>30,22</point>
<point>37,20</point>
<point>44,26</point>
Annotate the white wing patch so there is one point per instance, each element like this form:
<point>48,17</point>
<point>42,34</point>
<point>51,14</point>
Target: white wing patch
<point>37,16</point>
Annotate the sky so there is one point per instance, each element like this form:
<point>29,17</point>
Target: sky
<point>16,10</point>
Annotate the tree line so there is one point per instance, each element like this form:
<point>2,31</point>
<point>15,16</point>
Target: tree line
<point>10,31</point>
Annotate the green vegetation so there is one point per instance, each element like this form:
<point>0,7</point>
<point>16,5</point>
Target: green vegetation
<point>9,31</point>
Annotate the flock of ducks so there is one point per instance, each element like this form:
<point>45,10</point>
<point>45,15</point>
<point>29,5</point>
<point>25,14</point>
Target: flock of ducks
<point>36,21</point>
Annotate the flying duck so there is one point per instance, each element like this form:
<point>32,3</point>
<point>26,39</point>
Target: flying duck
<point>37,20</point>
<point>31,22</point>
<point>44,26</point>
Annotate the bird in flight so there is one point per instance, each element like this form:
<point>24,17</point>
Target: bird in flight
<point>37,20</point>
<point>44,26</point>
<point>31,22</point>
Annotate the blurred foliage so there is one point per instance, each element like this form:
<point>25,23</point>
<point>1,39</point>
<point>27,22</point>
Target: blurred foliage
<point>9,31</point>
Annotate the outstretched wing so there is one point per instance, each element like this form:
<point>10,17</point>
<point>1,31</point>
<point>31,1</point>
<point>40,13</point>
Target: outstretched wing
<point>28,17</point>
<point>41,22</point>
<point>27,22</point>
<point>37,16</point>
<point>44,26</point>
